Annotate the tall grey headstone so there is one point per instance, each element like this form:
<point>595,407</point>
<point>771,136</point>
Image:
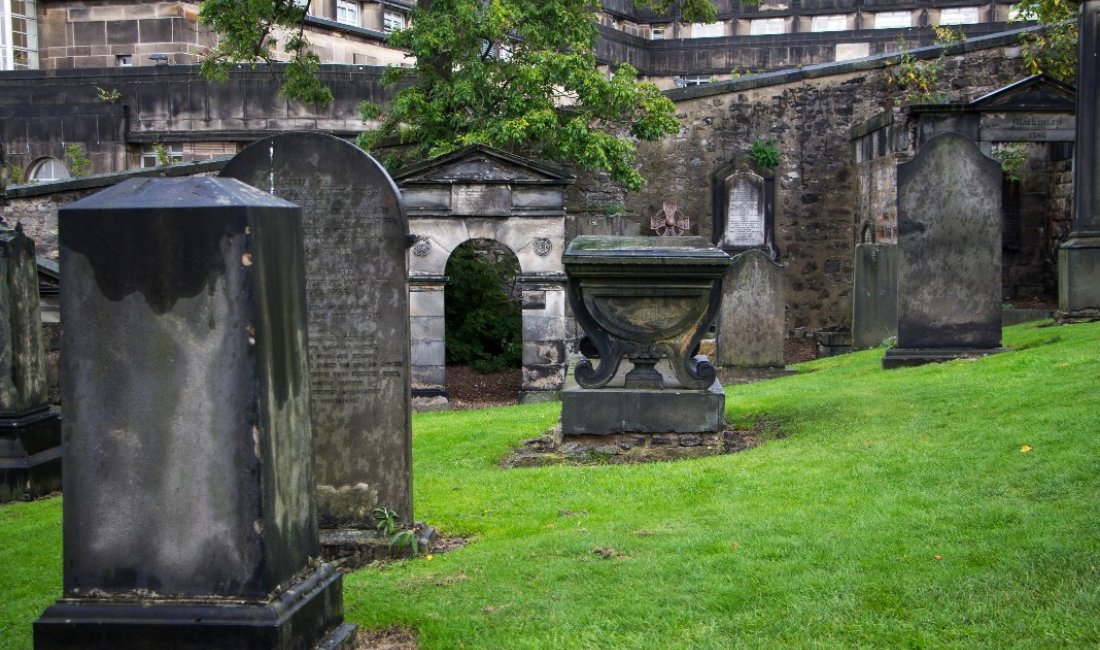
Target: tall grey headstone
<point>874,295</point>
<point>949,254</point>
<point>356,234</point>
<point>1079,257</point>
<point>751,321</point>
<point>30,431</point>
<point>189,515</point>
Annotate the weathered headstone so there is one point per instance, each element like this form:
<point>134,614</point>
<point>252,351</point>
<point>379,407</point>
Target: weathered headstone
<point>751,322</point>
<point>30,431</point>
<point>744,211</point>
<point>1079,257</point>
<point>874,295</point>
<point>189,515</point>
<point>949,254</point>
<point>355,234</point>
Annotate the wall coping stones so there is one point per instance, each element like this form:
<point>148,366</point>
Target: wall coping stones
<point>978,43</point>
<point>113,178</point>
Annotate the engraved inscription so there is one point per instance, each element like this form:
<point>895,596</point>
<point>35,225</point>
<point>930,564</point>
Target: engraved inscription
<point>745,211</point>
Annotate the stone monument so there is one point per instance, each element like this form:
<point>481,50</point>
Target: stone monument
<point>189,515</point>
<point>356,237</point>
<point>949,254</point>
<point>874,295</point>
<point>751,322</point>
<point>30,431</point>
<point>1079,257</point>
<point>646,300</point>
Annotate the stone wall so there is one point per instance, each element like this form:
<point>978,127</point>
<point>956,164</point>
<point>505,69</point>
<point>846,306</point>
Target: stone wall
<point>809,112</point>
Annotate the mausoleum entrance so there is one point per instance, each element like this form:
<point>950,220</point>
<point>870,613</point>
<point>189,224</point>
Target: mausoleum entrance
<point>479,193</point>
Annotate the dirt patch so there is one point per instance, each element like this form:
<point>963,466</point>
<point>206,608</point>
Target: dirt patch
<point>388,638</point>
<point>468,389</point>
<point>799,350</point>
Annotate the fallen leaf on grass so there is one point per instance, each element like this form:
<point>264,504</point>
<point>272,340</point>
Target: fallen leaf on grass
<point>1025,448</point>
<point>937,557</point>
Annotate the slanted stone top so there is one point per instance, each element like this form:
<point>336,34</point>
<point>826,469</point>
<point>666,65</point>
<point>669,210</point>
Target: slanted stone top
<point>481,165</point>
<point>195,193</point>
<point>650,251</point>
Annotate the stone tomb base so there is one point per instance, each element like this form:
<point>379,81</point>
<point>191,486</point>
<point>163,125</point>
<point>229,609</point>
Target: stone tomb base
<point>30,455</point>
<point>290,620</point>
<point>616,409</point>
<point>903,357</point>
<point>1079,280</point>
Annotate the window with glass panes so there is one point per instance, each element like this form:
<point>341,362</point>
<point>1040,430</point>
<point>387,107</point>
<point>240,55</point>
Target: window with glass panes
<point>18,35</point>
<point>347,12</point>
<point>149,154</point>
<point>392,21</point>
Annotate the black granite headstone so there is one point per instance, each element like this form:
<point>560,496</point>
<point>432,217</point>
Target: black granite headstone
<point>356,234</point>
<point>30,431</point>
<point>949,254</point>
<point>189,515</point>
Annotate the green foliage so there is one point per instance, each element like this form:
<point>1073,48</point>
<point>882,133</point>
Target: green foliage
<point>14,174</point>
<point>765,153</point>
<point>249,32</point>
<point>386,522</point>
<point>108,96</point>
<point>78,162</point>
<point>164,157</point>
<point>520,75</point>
<point>483,322</point>
<point>919,80</point>
<point>1053,50</point>
<point>1013,159</point>
<point>948,35</point>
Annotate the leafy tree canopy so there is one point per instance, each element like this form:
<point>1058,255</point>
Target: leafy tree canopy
<point>516,74</point>
<point>1054,50</point>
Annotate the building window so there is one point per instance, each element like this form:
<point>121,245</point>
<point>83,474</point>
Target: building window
<point>708,30</point>
<point>849,51</point>
<point>658,32</point>
<point>149,157</point>
<point>959,16</point>
<point>893,19</point>
<point>765,26</point>
<point>696,80</point>
<point>124,60</point>
<point>392,21</point>
<point>49,169</point>
<point>347,12</point>
<point>835,23</point>
<point>18,35</point>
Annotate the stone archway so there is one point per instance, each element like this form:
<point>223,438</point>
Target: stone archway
<point>481,193</point>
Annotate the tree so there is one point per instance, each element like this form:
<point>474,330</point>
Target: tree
<point>520,75</point>
<point>1054,49</point>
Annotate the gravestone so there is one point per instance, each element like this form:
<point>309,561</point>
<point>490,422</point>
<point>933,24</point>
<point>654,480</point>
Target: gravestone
<point>189,513</point>
<point>1079,257</point>
<point>949,254</point>
<point>751,322</point>
<point>874,295</point>
<point>355,233</point>
<point>744,211</point>
<point>30,431</point>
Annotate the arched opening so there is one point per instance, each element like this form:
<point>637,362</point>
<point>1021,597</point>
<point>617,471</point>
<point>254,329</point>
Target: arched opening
<point>47,170</point>
<point>483,328</point>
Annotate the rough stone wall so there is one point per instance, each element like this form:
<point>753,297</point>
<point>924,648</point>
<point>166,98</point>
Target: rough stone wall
<point>816,213</point>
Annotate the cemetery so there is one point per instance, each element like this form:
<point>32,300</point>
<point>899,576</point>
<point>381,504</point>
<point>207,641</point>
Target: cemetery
<point>247,437</point>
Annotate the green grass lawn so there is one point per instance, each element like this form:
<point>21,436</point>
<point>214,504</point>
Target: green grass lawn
<point>891,509</point>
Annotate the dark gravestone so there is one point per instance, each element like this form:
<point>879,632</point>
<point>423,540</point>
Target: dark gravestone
<point>751,322</point>
<point>1079,257</point>
<point>189,516</point>
<point>355,231</point>
<point>30,431</point>
<point>874,295</point>
<point>949,254</point>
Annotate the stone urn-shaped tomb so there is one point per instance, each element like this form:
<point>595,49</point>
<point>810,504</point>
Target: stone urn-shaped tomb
<point>646,300</point>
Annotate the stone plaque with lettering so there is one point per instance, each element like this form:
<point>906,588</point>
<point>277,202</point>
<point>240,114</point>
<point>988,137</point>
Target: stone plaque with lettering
<point>355,234</point>
<point>1028,127</point>
<point>744,211</point>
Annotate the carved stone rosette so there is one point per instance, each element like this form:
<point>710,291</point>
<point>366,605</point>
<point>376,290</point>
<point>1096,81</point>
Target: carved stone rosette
<point>644,299</point>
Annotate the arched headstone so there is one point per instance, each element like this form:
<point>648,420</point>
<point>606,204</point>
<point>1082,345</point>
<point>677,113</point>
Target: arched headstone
<point>355,235</point>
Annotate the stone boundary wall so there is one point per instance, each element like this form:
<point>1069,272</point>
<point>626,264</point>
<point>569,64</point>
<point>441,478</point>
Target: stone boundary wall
<point>809,112</point>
